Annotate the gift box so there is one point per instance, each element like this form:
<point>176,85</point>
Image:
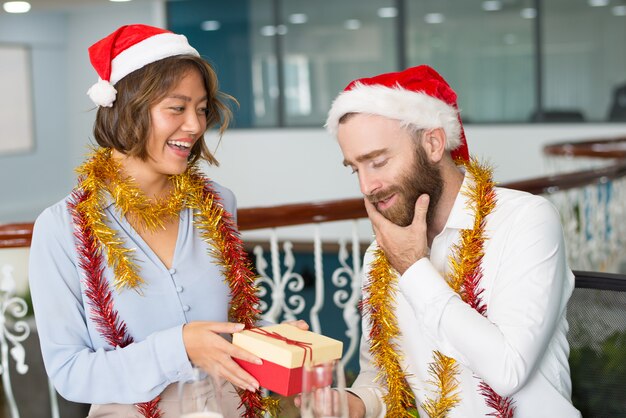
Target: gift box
<point>284,349</point>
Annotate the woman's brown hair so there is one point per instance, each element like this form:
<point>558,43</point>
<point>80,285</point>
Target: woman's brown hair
<point>126,125</point>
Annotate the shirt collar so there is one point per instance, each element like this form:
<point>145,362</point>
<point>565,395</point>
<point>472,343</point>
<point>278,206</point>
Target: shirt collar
<point>107,199</point>
<point>462,216</point>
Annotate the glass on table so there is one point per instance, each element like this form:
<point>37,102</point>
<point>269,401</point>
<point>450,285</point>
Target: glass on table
<point>324,391</point>
<point>200,396</point>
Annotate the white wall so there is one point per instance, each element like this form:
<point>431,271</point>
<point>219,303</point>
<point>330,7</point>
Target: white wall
<point>267,167</point>
<point>271,167</point>
<point>32,180</point>
<point>86,26</point>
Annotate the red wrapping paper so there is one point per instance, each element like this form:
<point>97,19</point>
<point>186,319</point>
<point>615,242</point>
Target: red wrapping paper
<point>283,361</point>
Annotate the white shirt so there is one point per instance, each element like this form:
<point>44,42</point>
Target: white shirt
<point>520,348</point>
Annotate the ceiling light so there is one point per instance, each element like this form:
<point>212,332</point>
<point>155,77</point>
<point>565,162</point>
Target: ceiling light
<point>298,18</point>
<point>528,13</point>
<point>618,11</point>
<point>16,6</point>
<point>210,25</point>
<point>491,5</point>
<point>352,24</point>
<point>271,30</point>
<point>386,12</point>
<point>599,3</point>
<point>434,18</point>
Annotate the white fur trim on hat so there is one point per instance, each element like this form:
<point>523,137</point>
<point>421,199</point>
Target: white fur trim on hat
<point>409,107</point>
<point>147,51</point>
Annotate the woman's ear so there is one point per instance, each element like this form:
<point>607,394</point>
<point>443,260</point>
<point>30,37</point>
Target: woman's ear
<point>434,143</point>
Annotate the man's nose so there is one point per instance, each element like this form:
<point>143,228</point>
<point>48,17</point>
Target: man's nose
<point>368,183</point>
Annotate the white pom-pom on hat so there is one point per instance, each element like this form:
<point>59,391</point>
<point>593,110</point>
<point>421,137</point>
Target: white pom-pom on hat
<point>102,93</point>
<point>130,48</point>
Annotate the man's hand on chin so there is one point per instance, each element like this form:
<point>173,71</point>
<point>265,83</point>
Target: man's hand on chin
<point>403,245</point>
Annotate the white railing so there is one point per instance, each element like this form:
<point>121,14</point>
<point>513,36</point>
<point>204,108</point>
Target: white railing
<point>14,330</point>
<point>285,286</point>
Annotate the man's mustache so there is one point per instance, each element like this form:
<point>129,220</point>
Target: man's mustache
<point>382,195</point>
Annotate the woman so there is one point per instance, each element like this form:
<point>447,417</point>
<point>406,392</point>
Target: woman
<point>136,273</point>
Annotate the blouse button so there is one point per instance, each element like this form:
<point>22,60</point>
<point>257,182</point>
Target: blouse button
<point>172,271</point>
<point>179,289</point>
<point>186,308</point>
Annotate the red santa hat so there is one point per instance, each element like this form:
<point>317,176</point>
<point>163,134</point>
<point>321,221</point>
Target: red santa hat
<point>417,96</point>
<point>128,49</point>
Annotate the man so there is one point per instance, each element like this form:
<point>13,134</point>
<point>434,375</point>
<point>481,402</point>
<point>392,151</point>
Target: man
<point>466,285</point>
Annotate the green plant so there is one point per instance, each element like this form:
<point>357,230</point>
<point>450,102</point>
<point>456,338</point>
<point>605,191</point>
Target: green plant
<point>599,377</point>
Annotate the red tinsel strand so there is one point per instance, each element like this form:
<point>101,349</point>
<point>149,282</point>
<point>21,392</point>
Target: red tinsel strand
<point>150,409</point>
<point>473,294</point>
<point>253,402</point>
<point>504,407</point>
<point>97,290</point>
<point>244,298</point>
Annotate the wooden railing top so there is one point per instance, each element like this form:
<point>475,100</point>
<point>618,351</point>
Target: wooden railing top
<point>20,234</point>
<point>599,148</point>
<point>16,235</point>
<point>557,182</point>
<point>300,214</point>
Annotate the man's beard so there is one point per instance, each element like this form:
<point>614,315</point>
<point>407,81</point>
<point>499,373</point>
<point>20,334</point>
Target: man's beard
<point>422,177</point>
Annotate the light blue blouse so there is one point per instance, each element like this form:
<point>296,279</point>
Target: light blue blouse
<point>83,367</point>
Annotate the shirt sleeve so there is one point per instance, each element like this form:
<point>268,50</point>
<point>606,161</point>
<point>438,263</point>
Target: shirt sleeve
<point>135,373</point>
<point>365,386</point>
<point>525,303</point>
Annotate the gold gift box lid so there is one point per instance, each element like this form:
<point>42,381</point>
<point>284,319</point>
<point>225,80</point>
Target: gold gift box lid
<point>283,353</point>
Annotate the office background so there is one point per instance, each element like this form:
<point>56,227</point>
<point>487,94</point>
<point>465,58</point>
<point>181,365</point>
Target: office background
<point>286,59</point>
<point>528,73</point>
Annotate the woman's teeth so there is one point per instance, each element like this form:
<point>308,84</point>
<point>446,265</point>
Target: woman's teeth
<point>180,144</point>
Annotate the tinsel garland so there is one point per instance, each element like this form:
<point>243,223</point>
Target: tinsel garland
<point>97,290</point>
<point>467,269</point>
<point>464,279</point>
<point>218,230</point>
<point>384,331</point>
<point>443,372</point>
<point>100,175</point>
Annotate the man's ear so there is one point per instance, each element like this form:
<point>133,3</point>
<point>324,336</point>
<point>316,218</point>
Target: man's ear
<point>434,143</point>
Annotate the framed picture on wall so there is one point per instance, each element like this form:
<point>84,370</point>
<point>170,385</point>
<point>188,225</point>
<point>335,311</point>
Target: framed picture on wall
<point>16,106</point>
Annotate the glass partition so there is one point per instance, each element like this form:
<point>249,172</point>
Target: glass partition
<point>485,51</point>
<point>509,60</point>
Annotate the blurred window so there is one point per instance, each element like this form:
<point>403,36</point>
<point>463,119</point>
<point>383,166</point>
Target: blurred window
<point>286,60</point>
<point>584,56</point>
<point>484,49</point>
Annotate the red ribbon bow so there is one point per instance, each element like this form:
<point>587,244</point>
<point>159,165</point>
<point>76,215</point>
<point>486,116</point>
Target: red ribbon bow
<point>304,345</point>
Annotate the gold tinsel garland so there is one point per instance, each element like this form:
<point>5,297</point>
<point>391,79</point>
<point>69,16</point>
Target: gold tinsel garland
<point>100,175</point>
<point>465,263</point>
<point>384,331</point>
